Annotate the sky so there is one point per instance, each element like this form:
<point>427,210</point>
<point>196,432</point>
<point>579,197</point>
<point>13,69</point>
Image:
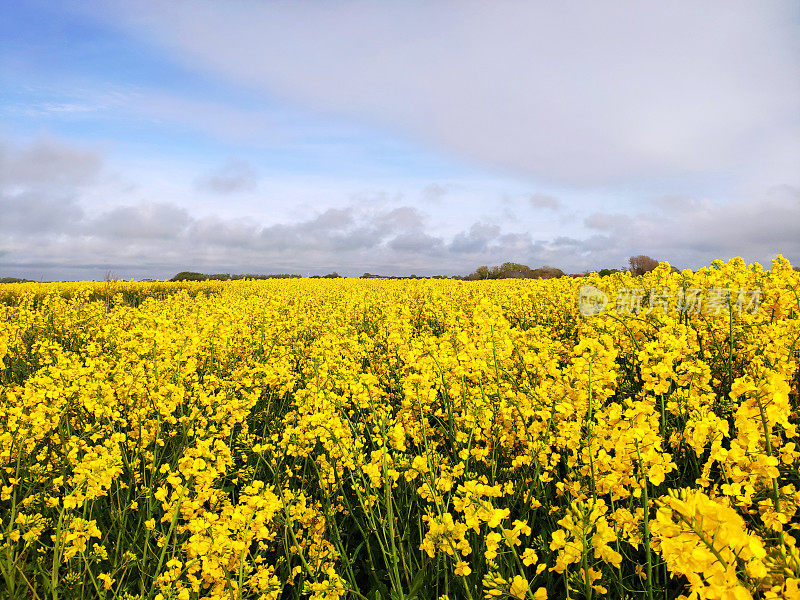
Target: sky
<point>150,137</point>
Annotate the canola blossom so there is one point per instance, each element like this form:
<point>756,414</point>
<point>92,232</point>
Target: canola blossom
<point>427,439</point>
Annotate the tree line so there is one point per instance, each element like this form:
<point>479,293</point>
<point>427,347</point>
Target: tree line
<point>638,265</point>
<point>194,276</point>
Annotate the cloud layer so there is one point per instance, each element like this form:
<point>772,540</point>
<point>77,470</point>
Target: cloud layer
<point>233,176</point>
<point>427,137</point>
<point>48,231</point>
<point>585,93</point>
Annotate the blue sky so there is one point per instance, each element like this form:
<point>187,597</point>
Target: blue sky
<point>73,76</point>
<point>428,137</point>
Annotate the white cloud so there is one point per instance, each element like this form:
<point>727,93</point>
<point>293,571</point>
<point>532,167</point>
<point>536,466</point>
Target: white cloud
<point>233,176</point>
<point>48,162</point>
<point>544,201</point>
<point>578,93</point>
<point>52,226</point>
<point>434,192</point>
<point>691,232</point>
<point>145,221</point>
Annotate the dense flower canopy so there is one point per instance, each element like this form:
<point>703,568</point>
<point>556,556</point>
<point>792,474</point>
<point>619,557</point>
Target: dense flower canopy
<point>428,439</point>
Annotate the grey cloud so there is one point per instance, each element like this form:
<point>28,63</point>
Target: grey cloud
<point>33,213</point>
<point>157,239</point>
<point>520,241</point>
<point>47,162</point>
<point>605,221</point>
<point>670,203</point>
<point>335,230</point>
<point>360,238</point>
<point>40,185</point>
<point>570,244</point>
<point>404,218</point>
<point>348,230</point>
<point>582,94</point>
<point>600,243</point>
<point>544,201</point>
<point>353,241</point>
<point>433,192</point>
<point>146,221</point>
<point>416,242</point>
<point>331,219</point>
<point>475,240</point>
<point>233,176</point>
<point>695,232</point>
<point>232,233</point>
<point>44,229</point>
<point>772,221</point>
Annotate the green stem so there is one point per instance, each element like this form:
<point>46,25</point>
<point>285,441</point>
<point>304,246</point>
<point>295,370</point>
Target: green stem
<point>646,503</point>
<point>173,524</point>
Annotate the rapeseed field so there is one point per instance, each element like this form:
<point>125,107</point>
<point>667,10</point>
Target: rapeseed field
<point>427,439</point>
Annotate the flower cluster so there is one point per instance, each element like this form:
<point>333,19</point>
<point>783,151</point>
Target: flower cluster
<point>421,439</point>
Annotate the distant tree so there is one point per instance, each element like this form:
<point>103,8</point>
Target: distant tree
<point>333,275</point>
<point>512,270</point>
<point>189,276</point>
<point>512,266</point>
<point>606,272</point>
<point>508,267</point>
<point>274,276</point>
<point>642,264</point>
<point>547,272</point>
